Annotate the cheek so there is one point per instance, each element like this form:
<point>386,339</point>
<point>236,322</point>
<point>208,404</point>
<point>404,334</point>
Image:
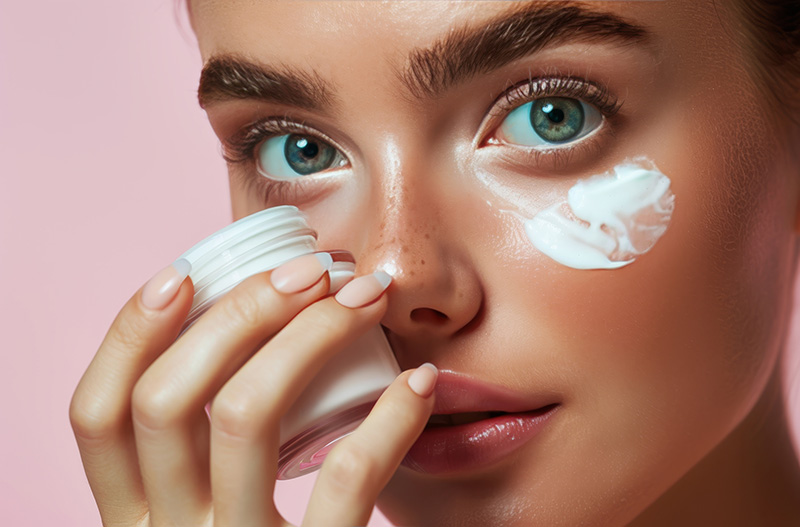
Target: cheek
<point>698,313</point>
<point>739,202</point>
<point>704,304</point>
<point>669,353</point>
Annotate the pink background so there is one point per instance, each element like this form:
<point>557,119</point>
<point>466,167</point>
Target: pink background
<point>108,171</point>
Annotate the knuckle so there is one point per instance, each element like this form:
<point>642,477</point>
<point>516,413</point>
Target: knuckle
<point>248,304</point>
<point>236,414</point>
<point>91,418</point>
<point>349,470</point>
<point>152,405</point>
<point>326,321</point>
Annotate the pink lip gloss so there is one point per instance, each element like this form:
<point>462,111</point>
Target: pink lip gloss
<point>345,390</point>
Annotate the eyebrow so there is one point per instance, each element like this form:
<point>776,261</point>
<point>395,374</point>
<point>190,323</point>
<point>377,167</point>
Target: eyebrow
<point>227,77</point>
<point>519,32</point>
<point>428,72</point>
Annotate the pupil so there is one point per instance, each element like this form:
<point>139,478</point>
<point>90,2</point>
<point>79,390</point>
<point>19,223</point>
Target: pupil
<point>309,150</point>
<point>306,155</point>
<point>556,115</point>
<point>557,119</point>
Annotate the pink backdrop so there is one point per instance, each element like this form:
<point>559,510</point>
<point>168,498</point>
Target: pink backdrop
<point>108,171</point>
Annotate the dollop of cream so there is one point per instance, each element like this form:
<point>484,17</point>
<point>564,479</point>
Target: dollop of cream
<point>608,219</point>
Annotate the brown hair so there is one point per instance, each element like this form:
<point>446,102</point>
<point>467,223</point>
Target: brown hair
<point>774,49</point>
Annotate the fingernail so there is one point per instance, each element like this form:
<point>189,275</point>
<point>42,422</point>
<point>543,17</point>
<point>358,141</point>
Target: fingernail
<point>300,273</point>
<point>363,290</point>
<point>162,288</point>
<point>423,380</point>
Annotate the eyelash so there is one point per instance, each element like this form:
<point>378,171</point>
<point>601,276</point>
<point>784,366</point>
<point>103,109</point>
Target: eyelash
<point>556,157</point>
<point>240,148</point>
<point>572,87</point>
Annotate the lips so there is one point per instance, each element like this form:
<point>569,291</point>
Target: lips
<point>476,424</point>
<point>456,394</point>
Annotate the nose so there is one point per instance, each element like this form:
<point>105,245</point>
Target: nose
<point>414,234</point>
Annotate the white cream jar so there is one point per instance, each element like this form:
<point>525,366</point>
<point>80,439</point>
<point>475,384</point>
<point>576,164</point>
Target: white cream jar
<point>341,395</point>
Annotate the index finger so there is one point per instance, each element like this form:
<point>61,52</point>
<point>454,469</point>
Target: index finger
<point>100,407</point>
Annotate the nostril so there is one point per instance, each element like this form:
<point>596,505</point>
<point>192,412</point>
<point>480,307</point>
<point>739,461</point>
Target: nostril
<point>427,315</point>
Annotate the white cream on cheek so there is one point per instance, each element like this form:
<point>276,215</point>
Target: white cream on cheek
<point>607,220</point>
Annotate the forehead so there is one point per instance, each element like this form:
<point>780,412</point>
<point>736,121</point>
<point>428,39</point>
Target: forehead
<point>303,26</point>
<point>314,31</point>
<point>374,54</point>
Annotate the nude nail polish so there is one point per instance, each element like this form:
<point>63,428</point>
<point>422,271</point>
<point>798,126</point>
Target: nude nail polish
<point>341,395</point>
<point>159,291</point>
<point>301,273</point>
<point>423,380</point>
<point>363,290</point>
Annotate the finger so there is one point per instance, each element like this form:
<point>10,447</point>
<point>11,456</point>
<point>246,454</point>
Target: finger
<point>246,413</point>
<point>360,466</point>
<point>169,399</point>
<point>100,412</point>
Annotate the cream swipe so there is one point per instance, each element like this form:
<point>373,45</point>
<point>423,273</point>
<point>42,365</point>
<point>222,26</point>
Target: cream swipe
<point>608,219</point>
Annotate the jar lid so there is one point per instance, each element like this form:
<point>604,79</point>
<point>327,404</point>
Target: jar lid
<point>240,230</point>
<point>256,243</point>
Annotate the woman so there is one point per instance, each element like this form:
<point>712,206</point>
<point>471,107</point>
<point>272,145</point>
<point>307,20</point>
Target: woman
<point>427,138</point>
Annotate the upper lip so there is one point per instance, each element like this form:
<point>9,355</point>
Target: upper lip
<point>459,393</point>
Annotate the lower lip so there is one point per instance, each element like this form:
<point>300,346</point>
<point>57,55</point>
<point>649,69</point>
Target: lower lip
<point>459,448</point>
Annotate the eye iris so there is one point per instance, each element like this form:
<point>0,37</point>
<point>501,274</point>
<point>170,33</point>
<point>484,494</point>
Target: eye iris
<point>306,155</point>
<point>557,119</point>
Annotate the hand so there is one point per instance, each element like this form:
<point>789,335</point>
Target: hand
<point>152,455</point>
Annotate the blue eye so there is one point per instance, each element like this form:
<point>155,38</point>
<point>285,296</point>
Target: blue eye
<point>294,155</point>
<point>549,121</point>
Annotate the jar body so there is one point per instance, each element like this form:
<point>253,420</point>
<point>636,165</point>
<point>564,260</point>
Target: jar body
<point>344,391</point>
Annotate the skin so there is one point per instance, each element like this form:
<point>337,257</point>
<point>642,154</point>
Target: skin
<point>666,369</point>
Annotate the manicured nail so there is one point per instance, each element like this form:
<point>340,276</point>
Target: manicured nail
<point>423,380</point>
<point>162,288</point>
<point>363,290</point>
<point>301,273</point>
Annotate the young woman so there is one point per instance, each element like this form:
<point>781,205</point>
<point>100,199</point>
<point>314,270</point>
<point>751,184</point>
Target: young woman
<point>427,138</point>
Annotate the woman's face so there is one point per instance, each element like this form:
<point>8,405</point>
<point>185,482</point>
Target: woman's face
<point>416,173</point>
